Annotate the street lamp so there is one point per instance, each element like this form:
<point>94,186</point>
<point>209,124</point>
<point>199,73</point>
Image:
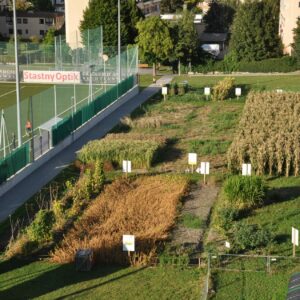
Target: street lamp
<point>17,76</point>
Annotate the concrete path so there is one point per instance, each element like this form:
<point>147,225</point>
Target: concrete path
<point>17,196</point>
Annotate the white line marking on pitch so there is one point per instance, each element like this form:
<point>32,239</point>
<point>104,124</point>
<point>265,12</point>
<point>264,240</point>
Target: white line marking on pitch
<point>3,95</point>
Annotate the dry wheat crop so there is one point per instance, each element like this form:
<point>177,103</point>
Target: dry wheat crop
<point>268,135</point>
<point>145,207</point>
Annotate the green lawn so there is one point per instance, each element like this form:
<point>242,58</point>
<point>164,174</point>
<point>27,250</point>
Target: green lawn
<point>280,214</point>
<point>42,280</point>
<point>42,102</point>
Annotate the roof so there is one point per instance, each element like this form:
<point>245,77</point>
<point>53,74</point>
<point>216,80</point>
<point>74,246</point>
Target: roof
<point>33,14</point>
<point>213,37</point>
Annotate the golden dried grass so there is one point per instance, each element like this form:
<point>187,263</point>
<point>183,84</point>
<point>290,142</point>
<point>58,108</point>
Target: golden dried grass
<point>268,135</point>
<point>145,207</point>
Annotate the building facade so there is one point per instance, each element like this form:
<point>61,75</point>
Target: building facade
<point>149,7</point>
<point>30,24</point>
<point>73,16</point>
<point>289,14</point>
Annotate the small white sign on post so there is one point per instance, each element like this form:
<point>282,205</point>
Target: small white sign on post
<point>295,239</point>
<point>129,243</point>
<point>238,92</point>
<point>164,91</point>
<point>204,169</point>
<point>246,169</point>
<point>192,160</point>
<point>207,91</point>
<point>126,166</point>
<point>279,91</point>
<point>227,245</point>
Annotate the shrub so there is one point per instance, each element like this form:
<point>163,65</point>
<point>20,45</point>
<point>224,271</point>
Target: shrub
<point>222,89</point>
<point>40,229</point>
<point>250,236</point>
<point>244,192</point>
<point>226,216</point>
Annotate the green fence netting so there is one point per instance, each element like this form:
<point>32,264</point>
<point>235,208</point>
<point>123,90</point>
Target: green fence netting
<point>66,126</point>
<point>14,162</point>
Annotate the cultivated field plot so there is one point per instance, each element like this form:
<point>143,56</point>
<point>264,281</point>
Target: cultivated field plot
<point>43,103</point>
<point>268,134</point>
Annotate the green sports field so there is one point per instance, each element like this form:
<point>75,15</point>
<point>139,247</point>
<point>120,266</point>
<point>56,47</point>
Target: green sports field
<point>43,103</point>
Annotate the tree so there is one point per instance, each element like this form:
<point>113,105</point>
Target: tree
<point>186,46</point>
<point>21,4</point>
<point>105,13</point>
<point>219,17</point>
<point>42,5</point>
<point>49,37</point>
<point>255,31</point>
<point>154,40</point>
<point>170,6</point>
<point>296,45</point>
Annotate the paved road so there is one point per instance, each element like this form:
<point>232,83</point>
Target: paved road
<point>13,199</point>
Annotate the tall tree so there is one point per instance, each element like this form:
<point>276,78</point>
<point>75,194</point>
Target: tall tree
<point>170,6</point>
<point>255,31</point>
<point>154,41</point>
<point>186,46</point>
<point>296,45</point>
<point>219,17</point>
<point>105,13</point>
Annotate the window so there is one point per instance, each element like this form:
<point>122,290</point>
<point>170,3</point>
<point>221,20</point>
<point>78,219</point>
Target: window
<point>11,31</point>
<point>19,20</point>
<point>25,21</point>
<point>26,31</point>
<point>19,31</point>
<point>42,32</point>
<point>49,21</point>
<point>42,21</point>
<point>9,20</point>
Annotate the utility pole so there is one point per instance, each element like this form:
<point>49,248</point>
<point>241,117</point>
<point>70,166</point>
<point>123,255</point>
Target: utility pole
<point>119,41</point>
<point>17,77</point>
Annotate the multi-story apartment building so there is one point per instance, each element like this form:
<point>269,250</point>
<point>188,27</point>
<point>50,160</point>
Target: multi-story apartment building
<point>73,15</point>
<point>149,7</point>
<point>289,14</point>
<point>30,24</point>
<point>59,5</point>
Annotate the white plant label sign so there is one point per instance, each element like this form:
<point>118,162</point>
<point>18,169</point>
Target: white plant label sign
<point>192,159</point>
<point>129,243</point>
<point>207,91</point>
<point>204,169</point>
<point>227,245</point>
<point>126,166</point>
<point>238,92</point>
<point>295,236</point>
<point>246,169</point>
<point>165,91</point>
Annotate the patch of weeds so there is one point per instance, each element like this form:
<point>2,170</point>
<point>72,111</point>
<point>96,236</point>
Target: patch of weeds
<point>191,116</point>
<point>171,126</point>
<point>208,147</point>
<point>191,221</point>
<point>225,121</point>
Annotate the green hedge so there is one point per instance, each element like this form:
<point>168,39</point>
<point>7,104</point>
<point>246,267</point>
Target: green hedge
<point>283,64</point>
